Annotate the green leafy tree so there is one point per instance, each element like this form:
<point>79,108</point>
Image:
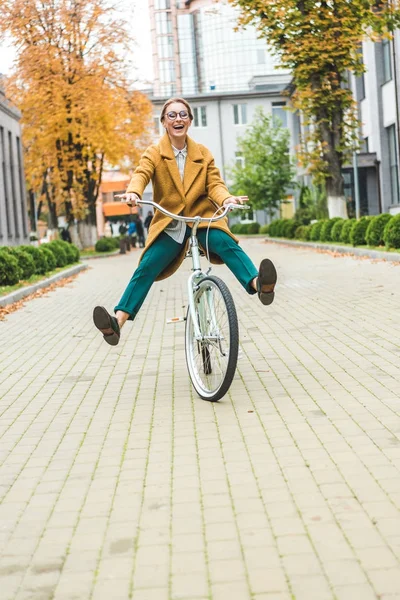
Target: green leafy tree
<point>319,42</point>
<point>267,171</point>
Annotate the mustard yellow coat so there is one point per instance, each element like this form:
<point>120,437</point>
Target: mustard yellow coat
<point>200,193</point>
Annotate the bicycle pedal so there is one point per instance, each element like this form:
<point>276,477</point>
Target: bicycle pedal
<point>175,320</point>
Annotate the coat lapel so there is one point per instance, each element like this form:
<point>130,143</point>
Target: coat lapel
<point>168,154</point>
<point>194,164</point>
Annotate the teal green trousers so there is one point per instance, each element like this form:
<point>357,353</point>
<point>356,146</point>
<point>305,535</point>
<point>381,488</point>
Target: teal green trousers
<point>164,250</point>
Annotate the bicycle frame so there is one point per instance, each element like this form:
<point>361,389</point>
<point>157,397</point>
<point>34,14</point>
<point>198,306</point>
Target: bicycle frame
<point>194,253</point>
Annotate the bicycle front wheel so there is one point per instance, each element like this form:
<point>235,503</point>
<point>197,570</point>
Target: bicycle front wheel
<point>212,358</point>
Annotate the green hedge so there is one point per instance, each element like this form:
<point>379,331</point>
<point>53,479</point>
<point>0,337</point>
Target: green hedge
<point>246,228</point>
<point>303,232</point>
<point>391,234</point>
<point>105,245</point>
<point>315,234</point>
<point>376,228</point>
<point>374,231</point>
<point>10,272</point>
<point>346,229</point>
<point>326,229</point>
<point>358,231</point>
<point>21,262</point>
<point>337,230</point>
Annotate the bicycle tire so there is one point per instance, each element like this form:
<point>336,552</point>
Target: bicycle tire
<point>212,364</point>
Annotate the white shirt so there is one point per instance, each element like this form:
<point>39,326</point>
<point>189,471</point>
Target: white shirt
<point>176,229</point>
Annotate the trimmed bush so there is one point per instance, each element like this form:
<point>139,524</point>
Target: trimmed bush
<point>59,253</point>
<point>264,229</point>
<point>25,262</point>
<point>315,234</point>
<point>10,272</point>
<point>38,258</point>
<point>358,231</point>
<point>391,234</point>
<point>49,257</point>
<point>374,235</point>
<point>326,229</point>
<point>68,249</point>
<point>337,230</point>
<point>303,232</point>
<point>346,229</point>
<point>288,228</point>
<point>234,229</point>
<point>304,216</point>
<point>253,228</point>
<point>107,245</point>
<point>274,228</point>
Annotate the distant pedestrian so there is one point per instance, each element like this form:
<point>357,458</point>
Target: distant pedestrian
<point>132,232</point>
<point>65,235</point>
<point>122,229</point>
<point>148,220</point>
<point>140,231</point>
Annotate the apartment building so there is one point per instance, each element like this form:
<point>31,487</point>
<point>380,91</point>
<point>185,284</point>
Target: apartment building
<point>13,210</point>
<point>378,95</point>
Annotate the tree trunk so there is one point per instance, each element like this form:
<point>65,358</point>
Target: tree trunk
<point>330,136</point>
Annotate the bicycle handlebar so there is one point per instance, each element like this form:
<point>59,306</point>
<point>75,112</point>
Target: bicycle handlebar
<point>227,208</point>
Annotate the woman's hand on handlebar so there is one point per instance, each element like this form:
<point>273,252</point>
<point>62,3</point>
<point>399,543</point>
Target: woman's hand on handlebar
<point>235,200</point>
<point>129,197</point>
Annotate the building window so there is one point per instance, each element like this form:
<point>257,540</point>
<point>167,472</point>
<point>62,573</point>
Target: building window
<point>165,46</point>
<point>200,116</point>
<point>279,115</point>
<point>261,57</point>
<point>240,114</point>
<point>13,190</point>
<point>162,4</point>
<point>239,159</point>
<point>163,23</point>
<point>393,163</point>
<point>387,60</point>
<point>5,180</point>
<point>21,187</point>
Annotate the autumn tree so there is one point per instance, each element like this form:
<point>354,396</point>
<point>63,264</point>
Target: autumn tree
<point>267,171</point>
<point>78,107</point>
<point>319,41</point>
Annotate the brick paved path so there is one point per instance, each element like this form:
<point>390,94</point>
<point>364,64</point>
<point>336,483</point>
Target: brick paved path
<point>118,482</point>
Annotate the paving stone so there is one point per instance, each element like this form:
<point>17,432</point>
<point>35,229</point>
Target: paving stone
<point>115,478</point>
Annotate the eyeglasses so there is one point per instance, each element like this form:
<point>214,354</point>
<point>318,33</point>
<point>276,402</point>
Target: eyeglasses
<point>172,115</point>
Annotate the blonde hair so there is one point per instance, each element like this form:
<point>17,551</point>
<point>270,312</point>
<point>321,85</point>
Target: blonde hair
<point>171,101</point>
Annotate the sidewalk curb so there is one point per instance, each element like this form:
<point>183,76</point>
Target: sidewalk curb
<point>26,291</point>
<point>105,255</point>
<point>376,254</point>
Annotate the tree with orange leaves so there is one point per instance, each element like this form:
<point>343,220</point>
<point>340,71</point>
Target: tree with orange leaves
<point>78,108</point>
<point>319,41</point>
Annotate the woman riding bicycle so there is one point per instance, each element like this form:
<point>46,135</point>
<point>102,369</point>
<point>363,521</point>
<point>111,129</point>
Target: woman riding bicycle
<point>187,182</point>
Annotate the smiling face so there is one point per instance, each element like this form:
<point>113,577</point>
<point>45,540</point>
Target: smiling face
<point>177,128</point>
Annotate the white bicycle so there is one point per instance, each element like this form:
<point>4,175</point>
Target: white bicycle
<point>212,331</point>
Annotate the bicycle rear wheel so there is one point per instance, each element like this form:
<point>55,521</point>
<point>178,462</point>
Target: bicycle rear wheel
<point>212,360</point>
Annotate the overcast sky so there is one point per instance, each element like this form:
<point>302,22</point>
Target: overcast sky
<point>136,11</point>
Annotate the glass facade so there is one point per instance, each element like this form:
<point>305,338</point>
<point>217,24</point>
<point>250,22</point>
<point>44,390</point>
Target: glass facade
<point>165,47</point>
<point>200,116</point>
<point>229,58</point>
<point>187,54</point>
<point>240,114</point>
<point>387,60</point>
<point>279,114</point>
<point>393,163</point>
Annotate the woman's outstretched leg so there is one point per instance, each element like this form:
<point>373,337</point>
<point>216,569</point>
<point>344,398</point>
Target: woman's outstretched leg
<point>261,281</point>
<point>160,254</point>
